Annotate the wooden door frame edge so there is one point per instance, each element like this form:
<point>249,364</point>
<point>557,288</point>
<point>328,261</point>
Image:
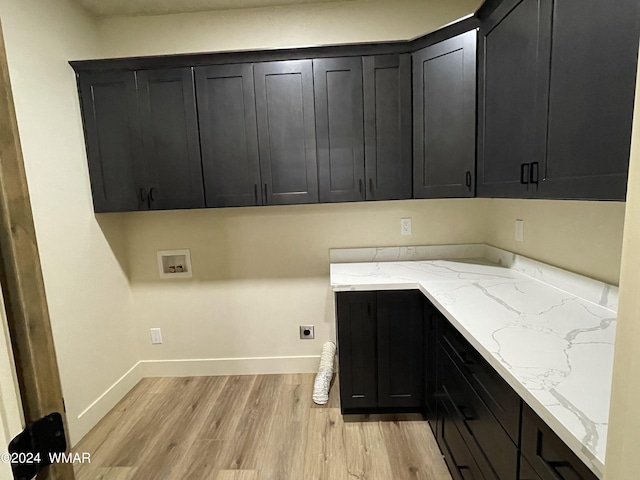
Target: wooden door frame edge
<point>22,284</point>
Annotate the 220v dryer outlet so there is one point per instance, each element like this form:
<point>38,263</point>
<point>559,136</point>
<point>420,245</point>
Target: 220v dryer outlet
<point>307,332</point>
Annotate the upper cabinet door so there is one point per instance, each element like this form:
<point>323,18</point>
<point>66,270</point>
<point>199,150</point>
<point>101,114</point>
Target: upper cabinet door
<point>170,133</point>
<point>286,131</point>
<point>387,127</point>
<point>112,132</point>
<point>339,128</point>
<point>593,78</point>
<point>513,90</point>
<point>228,135</point>
<point>444,87</point>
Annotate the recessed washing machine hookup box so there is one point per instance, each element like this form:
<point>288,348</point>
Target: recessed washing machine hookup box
<point>174,263</point>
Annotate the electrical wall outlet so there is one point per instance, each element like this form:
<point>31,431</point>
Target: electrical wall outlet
<point>519,231</point>
<point>307,332</point>
<point>156,336</point>
<point>405,226</point>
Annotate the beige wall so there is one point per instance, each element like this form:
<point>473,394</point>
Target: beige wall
<point>584,237</point>
<point>623,461</point>
<point>87,291</point>
<point>261,272</point>
<point>327,23</point>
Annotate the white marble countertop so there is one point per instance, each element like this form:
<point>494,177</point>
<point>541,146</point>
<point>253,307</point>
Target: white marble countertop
<point>549,333</point>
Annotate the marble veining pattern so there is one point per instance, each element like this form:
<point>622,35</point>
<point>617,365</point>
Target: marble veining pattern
<point>555,348</point>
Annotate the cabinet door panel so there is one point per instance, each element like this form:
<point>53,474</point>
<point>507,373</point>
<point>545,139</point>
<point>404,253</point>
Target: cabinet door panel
<point>400,349</point>
<point>357,349</point>
<point>551,458</point>
<point>229,135</point>
<point>339,128</point>
<point>387,128</point>
<point>444,84</point>
<point>593,77</point>
<point>112,132</point>
<point>286,131</point>
<point>513,94</point>
<point>170,133</point>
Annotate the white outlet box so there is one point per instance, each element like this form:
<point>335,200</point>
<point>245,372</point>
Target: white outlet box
<point>405,226</point>
<point>519,231</point>
<point>156,336</point>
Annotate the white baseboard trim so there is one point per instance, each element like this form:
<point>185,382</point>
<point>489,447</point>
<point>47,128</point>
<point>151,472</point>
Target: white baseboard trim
<point>91,415</point>
<point>199,367</point>
<point>229,366</point>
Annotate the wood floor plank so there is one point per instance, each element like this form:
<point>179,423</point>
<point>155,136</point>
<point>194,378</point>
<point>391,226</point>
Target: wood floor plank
<point>106,473</point>
<point>222,421</point>
<point>127,450</point>
<point>288,434</point>
<point>325,450</point>
<point>201,460</point>
<point>366,454</point>
<point>237,475</point>
<point>408,459</point>
<point>247,447</point>
<point>174,439</point>
<point>262,427</point>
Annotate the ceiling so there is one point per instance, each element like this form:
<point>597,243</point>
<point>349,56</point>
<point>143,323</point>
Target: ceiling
<point>104,8</point>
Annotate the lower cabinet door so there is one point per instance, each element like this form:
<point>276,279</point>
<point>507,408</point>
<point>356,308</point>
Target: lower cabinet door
<point>357,350</point>
<point>551,458</point>
<point>400,349</point>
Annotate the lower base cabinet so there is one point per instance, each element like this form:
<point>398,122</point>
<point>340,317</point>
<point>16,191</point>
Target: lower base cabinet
<point>398,353</point>
<point>380,351</point>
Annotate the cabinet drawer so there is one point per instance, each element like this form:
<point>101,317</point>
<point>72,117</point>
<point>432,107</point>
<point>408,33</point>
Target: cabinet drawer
<point>499,397</point>
<point>460,460</point>
<point>549,456</point>
<point>478,425</point>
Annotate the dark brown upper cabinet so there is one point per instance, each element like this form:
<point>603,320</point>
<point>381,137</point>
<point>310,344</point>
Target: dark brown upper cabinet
<point>286,131</point>
<point>142,140</point>
<point>444,99</point>
<point>112,133</point>
<point>228,135</point>
<point>513,96</point>
<point>556,89</point>
<point>339,128</point>
<point>593,78</point>
<point>171,152</point>
<point>387,126</point>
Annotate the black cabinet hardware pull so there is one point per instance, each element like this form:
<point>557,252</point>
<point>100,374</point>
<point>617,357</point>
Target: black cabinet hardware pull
<point>468,180</point>
<point>151,198</point>
<point>266,195</point>
<point>143,195</point>
<point>466,415</point>
<point>534,173</point>
<point>360,186</point>
<point>371,187</point>
<point>524,173</point>
<point>255,192</point>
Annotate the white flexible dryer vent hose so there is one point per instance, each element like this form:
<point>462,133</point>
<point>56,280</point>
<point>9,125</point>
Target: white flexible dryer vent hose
<point>325,372</point>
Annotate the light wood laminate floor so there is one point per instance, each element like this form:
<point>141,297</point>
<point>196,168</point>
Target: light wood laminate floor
<point>263,427</point>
